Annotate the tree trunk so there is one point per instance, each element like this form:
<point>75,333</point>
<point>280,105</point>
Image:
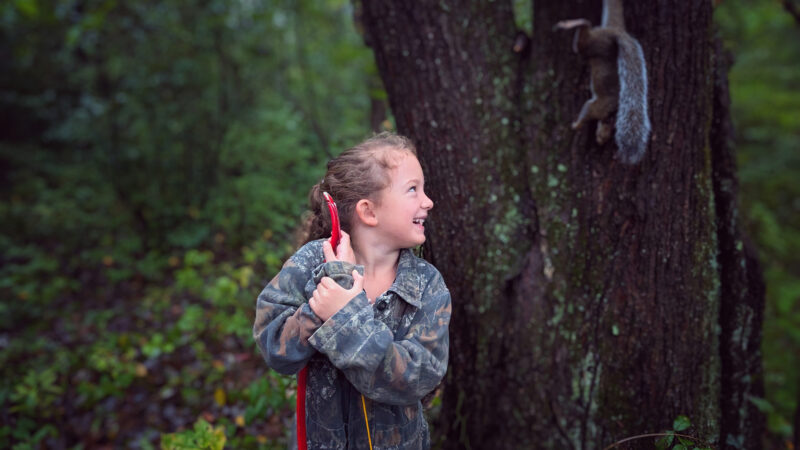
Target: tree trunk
<point>586,293</point>
<point>742,287</point>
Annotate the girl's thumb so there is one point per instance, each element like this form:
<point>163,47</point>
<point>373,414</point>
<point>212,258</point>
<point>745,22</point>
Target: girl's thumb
<point>358,281</point>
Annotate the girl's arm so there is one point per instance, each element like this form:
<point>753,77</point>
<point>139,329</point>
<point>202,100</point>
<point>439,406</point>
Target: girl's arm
<point>397,372</point>
<point>284,320</point>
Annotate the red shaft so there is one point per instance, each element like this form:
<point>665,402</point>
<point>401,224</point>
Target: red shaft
<point>302,442</point>
<point>301,409</point>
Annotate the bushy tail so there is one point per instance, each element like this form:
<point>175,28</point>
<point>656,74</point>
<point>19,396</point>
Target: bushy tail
<point>633,123</point>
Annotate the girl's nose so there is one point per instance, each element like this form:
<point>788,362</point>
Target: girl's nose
<point>427,203</point>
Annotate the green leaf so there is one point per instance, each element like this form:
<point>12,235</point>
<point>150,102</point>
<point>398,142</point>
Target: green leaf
<point>664,442</point>
<point>681,423</point>
<point>27,8</point>
<point>73,35</point>
<point>761,403</point>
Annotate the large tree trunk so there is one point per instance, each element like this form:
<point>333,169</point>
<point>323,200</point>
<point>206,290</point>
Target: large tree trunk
<point>586,293</point>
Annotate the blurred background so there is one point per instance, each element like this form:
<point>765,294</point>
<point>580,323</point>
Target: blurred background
<point>155,158</point>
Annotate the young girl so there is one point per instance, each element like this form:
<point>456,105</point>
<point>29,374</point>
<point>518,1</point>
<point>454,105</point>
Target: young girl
<point>370,318</point>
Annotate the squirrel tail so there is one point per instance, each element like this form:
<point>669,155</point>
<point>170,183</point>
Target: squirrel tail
<point>633,123</point>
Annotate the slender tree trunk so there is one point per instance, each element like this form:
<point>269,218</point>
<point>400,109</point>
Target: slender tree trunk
<point>742,288</point>
<point>587,296</point>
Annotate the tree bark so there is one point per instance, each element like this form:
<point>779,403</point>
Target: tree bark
<point>586,293</point>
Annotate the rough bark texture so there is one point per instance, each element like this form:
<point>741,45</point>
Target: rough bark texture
<point>586,292</point>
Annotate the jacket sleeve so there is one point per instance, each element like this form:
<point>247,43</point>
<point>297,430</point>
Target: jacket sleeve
<point>284,321</point>
<point>396,372</point>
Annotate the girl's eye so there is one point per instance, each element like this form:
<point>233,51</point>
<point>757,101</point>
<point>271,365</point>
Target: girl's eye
<point>413,189</point>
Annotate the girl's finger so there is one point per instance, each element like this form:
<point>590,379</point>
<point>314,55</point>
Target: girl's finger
<point>344,241</point>
<point>328,282</point>
<point>327,250</point>
<point>344,251</point>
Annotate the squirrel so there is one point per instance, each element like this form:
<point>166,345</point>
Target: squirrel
<point>619,86</point>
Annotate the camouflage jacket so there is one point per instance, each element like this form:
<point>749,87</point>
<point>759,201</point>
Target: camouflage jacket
<point>393,351</point>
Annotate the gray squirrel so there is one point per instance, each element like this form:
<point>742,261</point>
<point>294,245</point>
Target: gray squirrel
<point>619,85</point>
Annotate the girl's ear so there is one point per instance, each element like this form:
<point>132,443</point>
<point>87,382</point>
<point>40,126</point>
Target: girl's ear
<point>365,211</point>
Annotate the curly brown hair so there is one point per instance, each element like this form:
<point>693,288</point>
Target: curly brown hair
<point>360,172</point>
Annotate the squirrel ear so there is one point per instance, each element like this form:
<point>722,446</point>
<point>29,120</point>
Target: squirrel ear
<point>365,212</point>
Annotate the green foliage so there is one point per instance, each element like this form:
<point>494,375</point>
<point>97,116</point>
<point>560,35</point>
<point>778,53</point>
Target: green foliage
<point>269,395</point>
<point>189,348</point>
<point>523,15</point>
<point>676,438</point>
<point>162,125</point>
<point>202,436</point>
<point>29,435</point>
<point>156,158</point>
<point>681,423</point>
<point>766,111</point>
<point>36,392</point>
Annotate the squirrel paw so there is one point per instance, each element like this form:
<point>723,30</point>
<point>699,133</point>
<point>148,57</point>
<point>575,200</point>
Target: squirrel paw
<point>604,131</point>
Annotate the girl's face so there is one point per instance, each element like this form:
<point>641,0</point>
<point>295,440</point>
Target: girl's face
<point>403,204</point>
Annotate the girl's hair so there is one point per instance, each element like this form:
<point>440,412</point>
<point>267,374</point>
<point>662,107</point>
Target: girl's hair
<point>359,172</point>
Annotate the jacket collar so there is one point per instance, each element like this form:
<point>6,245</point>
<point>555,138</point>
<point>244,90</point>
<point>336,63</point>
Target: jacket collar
<point>408,283</point>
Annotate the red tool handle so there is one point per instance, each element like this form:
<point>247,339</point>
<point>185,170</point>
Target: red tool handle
<point>301,409</point>
<point>336,234</point>
<point>336,231</point>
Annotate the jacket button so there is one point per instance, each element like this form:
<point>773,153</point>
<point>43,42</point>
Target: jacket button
<point>382,306</point>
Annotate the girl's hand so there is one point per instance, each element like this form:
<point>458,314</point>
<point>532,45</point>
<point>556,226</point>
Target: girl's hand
<point>329,297</point>
<point>344,252</point>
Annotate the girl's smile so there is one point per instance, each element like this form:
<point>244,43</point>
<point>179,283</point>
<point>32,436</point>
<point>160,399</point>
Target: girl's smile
<point>420,223</point>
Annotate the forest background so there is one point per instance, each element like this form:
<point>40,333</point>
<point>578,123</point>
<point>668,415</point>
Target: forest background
<point>155,162</point>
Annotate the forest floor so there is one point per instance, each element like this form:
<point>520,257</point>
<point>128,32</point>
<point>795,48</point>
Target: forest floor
<point>118,365</point>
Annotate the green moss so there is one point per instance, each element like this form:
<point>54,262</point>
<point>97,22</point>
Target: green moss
<point>706,281</point>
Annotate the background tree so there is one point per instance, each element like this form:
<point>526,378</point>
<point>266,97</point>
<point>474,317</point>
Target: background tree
<point>592,300</point>
<point>763,104</point>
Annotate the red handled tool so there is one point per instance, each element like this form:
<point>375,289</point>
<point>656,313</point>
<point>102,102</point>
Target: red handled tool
<point>336,231</point>
<point>336,234</point>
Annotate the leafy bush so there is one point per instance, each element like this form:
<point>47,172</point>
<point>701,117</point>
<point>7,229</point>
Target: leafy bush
<point>202,436</point>
<point>156,158</point>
